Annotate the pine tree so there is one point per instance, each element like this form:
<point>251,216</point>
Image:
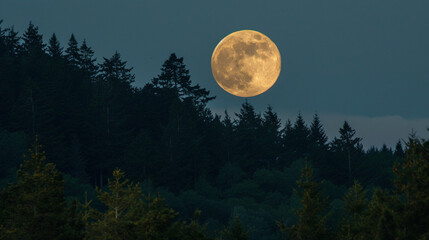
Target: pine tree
<point>399,151</point>
<point>248,121</point>
<point>33,41</point>
<point>131,215</point>
<point>54,49</point>
<point>9,41</point>
<point>87,60</point>
<point>352,225</point>
<point>110,104</point>
<point>311,223</point>
<point>2,39</point>
<point>317,135</point>
<point>72,52</point>
<point>412,180</point>
<point>318,149</point>
<point>227,136</point>
<point>271,139</point>
<point>286,135</point>
<point>347,146</point>
<point>298,143</point>
<point>120,199</point>
<point>114,71</point>
<point>156,220</point>
<point>247,128</point>
<point>235,231</point>
<point>34,206</point>
<point>175,79</point>
<point>381,220</point>
<point>75,222</point>
<point>191,230</point>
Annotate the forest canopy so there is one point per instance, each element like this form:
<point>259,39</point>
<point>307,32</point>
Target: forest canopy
<point>153,162</point>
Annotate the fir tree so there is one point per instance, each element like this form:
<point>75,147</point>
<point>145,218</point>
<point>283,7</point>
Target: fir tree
<point>247,119</point>
<point>227,136</point>
<point>175,78</point>
<point>412,180</point>
<point>87,60</point>
<point>399,151</point>
<point>381,220</point>
<point>318,146</point>
<point>11,41</point>
<point>317,135</point>
<point>114,71</point>
<point>54,49</point>
<point>33,41</point>
<point>352,225</point>
<point>347,146</point>
<point>247,128</point>
<point>311,224</point>
<point>286,143</point>
<point>271,140</point>
<point>298,143</point>
<point>120,199</point>
<point>34,206</point>
<point>235,231</point>
<point>72,52</point>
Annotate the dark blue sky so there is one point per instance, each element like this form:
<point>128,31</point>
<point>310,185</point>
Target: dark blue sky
<point>364,61</point>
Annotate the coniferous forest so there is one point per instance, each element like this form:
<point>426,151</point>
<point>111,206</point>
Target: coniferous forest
<point>84,154</point>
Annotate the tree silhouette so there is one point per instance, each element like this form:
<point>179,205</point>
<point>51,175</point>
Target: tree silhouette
<point>33,41</point>
<point>175,78</point>
<point>54,49</point>
<point>348,146</point>
<point>72,52</point>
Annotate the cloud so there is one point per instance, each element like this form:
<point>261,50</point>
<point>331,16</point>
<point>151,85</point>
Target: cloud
<point>374,131</point>
<point>377,131</point>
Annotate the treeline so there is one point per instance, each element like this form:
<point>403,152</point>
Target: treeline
<point>92,119</point>
<point>34,207</point>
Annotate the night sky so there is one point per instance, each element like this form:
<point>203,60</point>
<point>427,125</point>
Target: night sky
<point>363,61</point>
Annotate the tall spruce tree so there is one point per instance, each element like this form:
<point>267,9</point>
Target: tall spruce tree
<point>317,136</point>
<point>10,40</point>
<point>381,220</point>
<point>247,128</point>
<point>131,215</point>
<point>175,78</point>
<point>352,225</point>
<point>109,107</point>
<point>348,148</point>
<point>311,224</point>
<point>235,231</point>
<point>297,139</point>
<point>54,49</point>
<point>271,139</point>
<point>318,149</point>
<point>286,156</point>
<point>33,41</point>
<point>72,52</point>
<point>399,151</point>
<point>87,60</point>
<point>120,199</point>
<point>227,136</point>
<point>412,180</point>
<point>34,206</point>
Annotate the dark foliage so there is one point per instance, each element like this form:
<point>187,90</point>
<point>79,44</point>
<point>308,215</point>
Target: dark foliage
<point>92,119</point>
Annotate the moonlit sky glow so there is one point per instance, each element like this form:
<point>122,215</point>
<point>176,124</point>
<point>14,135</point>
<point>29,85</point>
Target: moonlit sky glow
<point>364,61</point>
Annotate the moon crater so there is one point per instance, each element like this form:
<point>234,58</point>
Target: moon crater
<point>246,63</point>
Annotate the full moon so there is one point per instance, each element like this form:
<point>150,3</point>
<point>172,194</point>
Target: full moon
<point>246,63</point>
